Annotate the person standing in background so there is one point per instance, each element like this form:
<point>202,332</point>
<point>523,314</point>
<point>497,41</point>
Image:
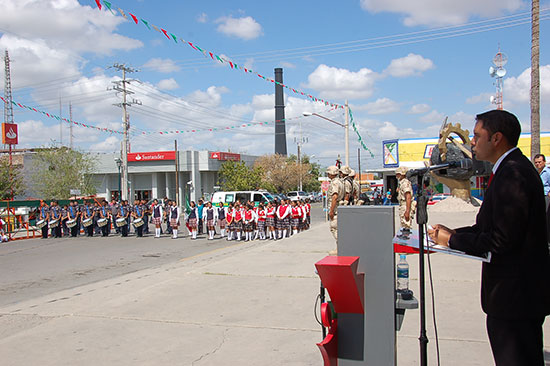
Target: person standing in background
<point>200,208</point>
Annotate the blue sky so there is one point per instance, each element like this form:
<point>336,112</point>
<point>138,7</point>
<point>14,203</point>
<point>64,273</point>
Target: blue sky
<point>403,65</point>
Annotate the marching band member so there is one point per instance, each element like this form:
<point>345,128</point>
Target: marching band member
<point>146,212</point>
<point>261,218</point>
<point>97,229</point>
<point>174,219</point>
<point>72,214</point>
<point>105,213</point>
<point>211,218</point>
<point>88,213</point>
<point>221,218</point>
<point>192,219</point>
<point>44,214</point>
<point>270,221</point>
<point>123,214</point>
<point>166,208</point>
<point>230,214</point>
<point>283,219</point>
<point>56,214</point>
<point>157,214</point>
<point>114,213</point>
<point>138,214</point>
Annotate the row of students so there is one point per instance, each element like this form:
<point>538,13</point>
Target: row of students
<point>247,222</point>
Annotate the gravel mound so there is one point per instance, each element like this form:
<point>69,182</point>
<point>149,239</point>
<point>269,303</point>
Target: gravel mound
<point>454,204</point>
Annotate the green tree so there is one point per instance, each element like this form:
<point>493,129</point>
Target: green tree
<point>11,180</point>
<point>57,170</point>
<point>237,176</point>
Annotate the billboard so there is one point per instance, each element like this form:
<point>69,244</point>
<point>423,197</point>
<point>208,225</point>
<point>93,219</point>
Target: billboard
<point>220,155</point>
<point>391,153</point>
<point>10,135</point>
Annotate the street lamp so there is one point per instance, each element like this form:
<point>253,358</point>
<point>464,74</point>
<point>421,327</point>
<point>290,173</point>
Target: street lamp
<point>119,164</point>
<point>346,127</point>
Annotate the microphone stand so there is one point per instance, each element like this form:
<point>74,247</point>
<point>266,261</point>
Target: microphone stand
<point>422,219</point>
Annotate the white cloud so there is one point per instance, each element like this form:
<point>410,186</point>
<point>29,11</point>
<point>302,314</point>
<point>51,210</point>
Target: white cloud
<point>168,84</point>
<point>211,97</point>
<point>419,109</point>
<point>410,65</point>
<point>332,82</point>
<point>441,12</point>
<point>111,143</point>
<point>432,117</point>
<point>244,28</point>
<point>202,18</point>
<point>381,106</point>
<point>518,89</point>
<point>65,24</point>
<point>165,65</point>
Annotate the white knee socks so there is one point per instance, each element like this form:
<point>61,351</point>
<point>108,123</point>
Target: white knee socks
<point>175,232</point>
<point>157,233</point>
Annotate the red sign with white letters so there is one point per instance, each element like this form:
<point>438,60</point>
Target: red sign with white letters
<point>152,156</point>
<point>219,155</point>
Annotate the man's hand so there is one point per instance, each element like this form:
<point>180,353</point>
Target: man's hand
<point>407,215</point>
<point>440,234</point>
<point>331,215</point>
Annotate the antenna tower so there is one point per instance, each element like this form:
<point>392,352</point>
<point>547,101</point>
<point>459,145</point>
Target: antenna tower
<point>8,106</point>
<point>498,72</point>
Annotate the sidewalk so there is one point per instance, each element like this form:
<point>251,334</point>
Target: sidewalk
<point>249,304</point>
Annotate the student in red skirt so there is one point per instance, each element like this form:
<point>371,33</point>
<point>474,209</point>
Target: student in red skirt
<point>295,214</point>
<point>308,213</point>
<point>238,219</point>
<point>192,219</point>
<point>174,219</point>
<point>248,221</point>
<point>157,215</point>
<point>283,219</point>
<point>261,218</point>
<point>270,221</point>
<point>229,216</point>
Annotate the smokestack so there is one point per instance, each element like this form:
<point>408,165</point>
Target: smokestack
<point>280,127</point>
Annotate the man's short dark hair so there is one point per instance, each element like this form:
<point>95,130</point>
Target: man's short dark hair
<point>540,156</point>
<point>501,121</point>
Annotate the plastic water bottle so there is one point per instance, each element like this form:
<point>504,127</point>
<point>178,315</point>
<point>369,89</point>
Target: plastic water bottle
<point>402,273</point>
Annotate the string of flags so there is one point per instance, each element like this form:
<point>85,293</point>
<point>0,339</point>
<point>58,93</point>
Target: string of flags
<point>359,138</point>
<point>51,115</point>
<point>142,132</point>
<point>215,57</point>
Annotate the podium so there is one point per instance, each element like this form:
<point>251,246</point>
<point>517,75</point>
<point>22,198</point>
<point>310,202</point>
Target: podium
<point>361,285</point>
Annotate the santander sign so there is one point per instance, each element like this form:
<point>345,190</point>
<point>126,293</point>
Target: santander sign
<point>152,156</point>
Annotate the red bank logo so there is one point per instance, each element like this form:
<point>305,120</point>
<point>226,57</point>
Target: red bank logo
<point>152,156</point>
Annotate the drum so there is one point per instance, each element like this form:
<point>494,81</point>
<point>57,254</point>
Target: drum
<point>120,222</point>
<point>54,223</point>
<point>41,223</point>
<point>102,222</point>
<point>71,223</point>
<point>87,222</point>
<point>138,222</point>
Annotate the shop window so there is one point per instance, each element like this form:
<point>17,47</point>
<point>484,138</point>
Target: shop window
<point>243,197</point>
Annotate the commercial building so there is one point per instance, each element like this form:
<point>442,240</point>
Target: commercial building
<point>153,174</point>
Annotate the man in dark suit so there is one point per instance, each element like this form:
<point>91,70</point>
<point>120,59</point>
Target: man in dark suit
<point>511,224</point>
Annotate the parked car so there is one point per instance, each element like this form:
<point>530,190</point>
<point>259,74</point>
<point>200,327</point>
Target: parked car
<point>437,198</point>
<point>243,196</point>
<point>297,195</point>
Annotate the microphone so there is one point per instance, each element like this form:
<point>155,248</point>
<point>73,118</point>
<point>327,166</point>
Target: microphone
<point>466,164</point>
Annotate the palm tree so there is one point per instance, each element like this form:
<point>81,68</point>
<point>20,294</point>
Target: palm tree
<point>535,80</point>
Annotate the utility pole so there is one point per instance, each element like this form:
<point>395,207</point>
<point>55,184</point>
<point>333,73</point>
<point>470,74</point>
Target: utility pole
<point>176,160</point>
<point>535,79</point>
<point>60,122</point>
<point>71,125</point>
<point>121,86</point>
<point>347,132</point>
<point>299,142</point>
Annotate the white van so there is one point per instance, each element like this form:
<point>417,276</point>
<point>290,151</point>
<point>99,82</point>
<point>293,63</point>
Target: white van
<point>243,196</point>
